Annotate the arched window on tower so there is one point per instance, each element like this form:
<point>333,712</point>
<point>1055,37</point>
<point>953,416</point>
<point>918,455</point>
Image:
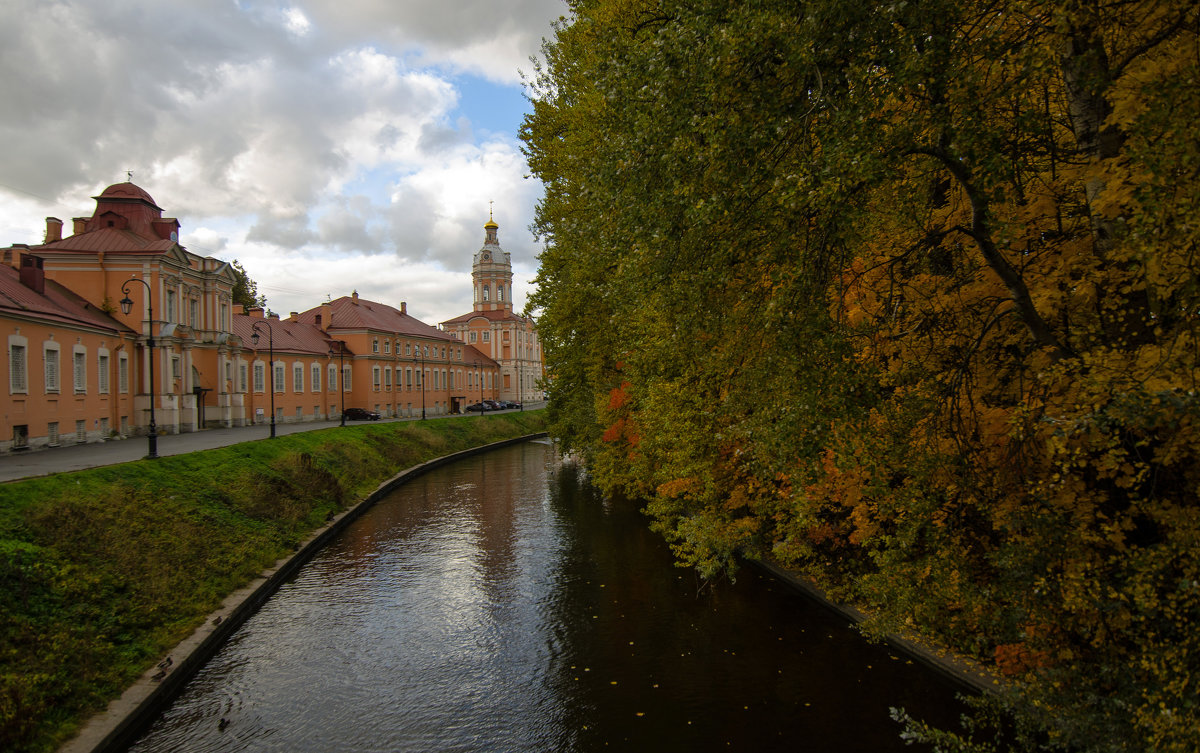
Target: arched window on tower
<point>485,292</point>
<point>500,292</point>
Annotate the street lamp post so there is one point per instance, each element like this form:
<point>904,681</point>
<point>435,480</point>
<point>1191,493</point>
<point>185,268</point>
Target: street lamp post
<point>417,357</point>
<point>270,355</point>
<point>341,373</point>
<point>126,307</point>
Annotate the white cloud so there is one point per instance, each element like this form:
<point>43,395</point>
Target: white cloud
<point>323,144</point>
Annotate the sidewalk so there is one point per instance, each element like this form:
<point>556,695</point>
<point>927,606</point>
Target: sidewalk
<point>43,462</point>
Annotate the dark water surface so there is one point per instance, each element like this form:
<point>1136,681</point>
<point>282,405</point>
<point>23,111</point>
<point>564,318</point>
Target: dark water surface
<point>499,604</point>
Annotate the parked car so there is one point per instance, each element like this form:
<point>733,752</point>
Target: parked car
<point>477,408</point>
<point>361,414</point>
<point>509,404</point>
<point>493,405</point>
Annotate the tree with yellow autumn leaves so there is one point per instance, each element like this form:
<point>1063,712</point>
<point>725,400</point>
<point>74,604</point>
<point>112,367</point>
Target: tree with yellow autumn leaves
<point>904,295</point>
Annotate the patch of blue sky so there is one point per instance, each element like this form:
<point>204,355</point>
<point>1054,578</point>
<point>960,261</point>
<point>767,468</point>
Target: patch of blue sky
<point>490,107</point>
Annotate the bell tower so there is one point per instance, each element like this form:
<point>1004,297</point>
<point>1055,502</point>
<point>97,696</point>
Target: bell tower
<point>491,272</point>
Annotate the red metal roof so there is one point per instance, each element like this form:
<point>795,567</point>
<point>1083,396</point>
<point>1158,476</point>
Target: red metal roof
<point>57,304</point>
<point>359,313</point>
<point>109,240</point>
<point>289,337</point>
<point>497,315</point>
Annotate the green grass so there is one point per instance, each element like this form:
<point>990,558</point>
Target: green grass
<point>103,571</point>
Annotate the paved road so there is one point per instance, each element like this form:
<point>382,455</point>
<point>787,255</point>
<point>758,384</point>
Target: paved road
<point>43,462</point>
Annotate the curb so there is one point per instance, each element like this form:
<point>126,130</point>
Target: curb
<point>116,728</point>
<point>969,676</point>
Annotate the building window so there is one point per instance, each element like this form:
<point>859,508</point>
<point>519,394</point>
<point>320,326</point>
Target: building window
<point>485,293</point>
<point>487,337</point>
<point>316,379</point>
<point>123,373</point>
<point>80,363</point>
<point>346,378</point>
<point>298,377</point>
<point>20,436</point>
<point>387,346</point>
<point>242,377</point>
<point>499,292</point>
<point>259,378</point>
<point>81,431</point>
<point>387,378</point>
<point>104,427</point>
<point>332,378</point>
<point>472,337</point>
<point>102,376</point>
<point>408,378</point>
<point>375,377</point>
<point>176,368</point>
<point>18,374</point>
<point>408,349</point>
<point>425,350</point>
<point>50,362</point>
<point>52,434</point>
<point>170,306</point>
<point>375,346</point>
<point>224,317</point>
<point>195,313</point>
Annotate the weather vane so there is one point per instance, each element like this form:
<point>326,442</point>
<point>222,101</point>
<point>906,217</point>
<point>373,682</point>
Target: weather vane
<point>129,175</point>
<point>490,211</point>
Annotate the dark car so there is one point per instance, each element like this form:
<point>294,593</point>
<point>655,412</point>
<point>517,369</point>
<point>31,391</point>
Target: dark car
<point>477,408</point>
<point>361,414</point>
<point>509,405</point>
<point>493,405</point>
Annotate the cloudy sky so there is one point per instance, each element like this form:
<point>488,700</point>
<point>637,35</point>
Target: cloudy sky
<point>328,145</point>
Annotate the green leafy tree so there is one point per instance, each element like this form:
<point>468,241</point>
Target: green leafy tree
<point>245,290</point>
<point>902,294</point>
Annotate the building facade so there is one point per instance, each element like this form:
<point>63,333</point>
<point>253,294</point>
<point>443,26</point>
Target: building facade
<point>493,328</point>
<point>82,368</point>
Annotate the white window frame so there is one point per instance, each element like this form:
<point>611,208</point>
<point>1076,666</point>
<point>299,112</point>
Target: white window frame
<point>79,369</point>
<point>52,367</point>
<point>18,365</point>
<point>102,365</point>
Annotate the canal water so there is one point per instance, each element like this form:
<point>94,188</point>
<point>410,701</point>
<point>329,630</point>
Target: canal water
<point>501,604</point>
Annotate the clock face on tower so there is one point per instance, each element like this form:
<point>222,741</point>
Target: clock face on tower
<point>487,256</point>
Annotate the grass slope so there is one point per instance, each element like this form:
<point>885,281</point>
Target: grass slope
<point>102,571</point>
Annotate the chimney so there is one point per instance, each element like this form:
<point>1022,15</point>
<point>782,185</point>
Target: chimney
<point>354,297</point>
<point>293,316</point>
<point>403,307</point>
<point>273,315</point>
<point>32,274</point>
<point>80,224</point>
<point>239,309</point>
<point>255,312</point>
<point>53,229</point>
<point>325,318</point>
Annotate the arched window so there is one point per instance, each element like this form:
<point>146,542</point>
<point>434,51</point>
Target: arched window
<point>499,292</point>
<point>485,292</point>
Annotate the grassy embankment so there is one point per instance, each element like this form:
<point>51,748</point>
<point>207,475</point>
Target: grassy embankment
<point>103,571</point>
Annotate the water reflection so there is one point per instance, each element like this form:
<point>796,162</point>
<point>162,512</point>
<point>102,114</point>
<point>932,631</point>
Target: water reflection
<point>499,605</point>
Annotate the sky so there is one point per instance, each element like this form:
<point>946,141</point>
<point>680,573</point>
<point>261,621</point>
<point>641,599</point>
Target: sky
<point>329,146</point>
